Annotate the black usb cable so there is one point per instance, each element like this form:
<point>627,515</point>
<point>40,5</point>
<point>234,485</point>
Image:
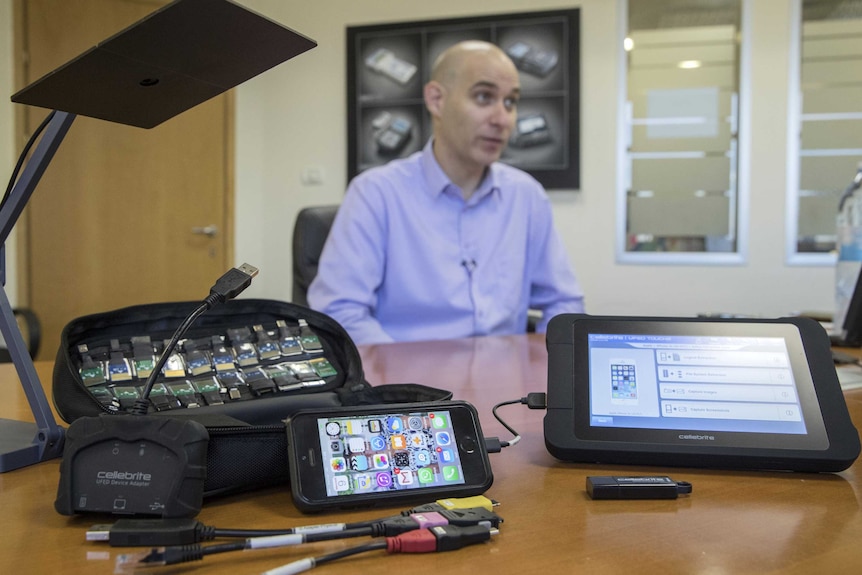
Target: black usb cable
<point>228,286</point>
<point>534,400</point>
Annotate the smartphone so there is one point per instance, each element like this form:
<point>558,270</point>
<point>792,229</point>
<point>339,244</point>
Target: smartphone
<point>392,139</point>
<point>624,384</point>
<point>530,130</point>
<point>385,62</point>
<point>386,455</point>
<point>533,60</point>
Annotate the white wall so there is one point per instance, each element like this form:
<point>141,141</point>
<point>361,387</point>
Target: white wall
<point>294,117</point>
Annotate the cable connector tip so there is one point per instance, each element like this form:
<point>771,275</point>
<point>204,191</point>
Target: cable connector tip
<point>537,400</point>
<point>232,283</point>
<point>440,538</point>
<point>99,533</point>
<point>494,445</point>
<point>249,269</point>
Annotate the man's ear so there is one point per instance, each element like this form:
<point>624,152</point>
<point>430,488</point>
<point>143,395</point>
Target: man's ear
<point>434,94</point>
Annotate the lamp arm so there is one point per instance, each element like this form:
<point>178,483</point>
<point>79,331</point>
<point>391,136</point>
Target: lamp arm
<point>22,443</point>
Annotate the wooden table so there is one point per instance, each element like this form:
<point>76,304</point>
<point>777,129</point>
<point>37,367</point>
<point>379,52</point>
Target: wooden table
<point>734,522</point>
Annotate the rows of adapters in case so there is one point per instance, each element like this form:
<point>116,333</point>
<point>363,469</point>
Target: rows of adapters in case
<point>241,364</point>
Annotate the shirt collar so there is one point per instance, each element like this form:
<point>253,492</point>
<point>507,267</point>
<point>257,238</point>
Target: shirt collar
<point>439,182</point>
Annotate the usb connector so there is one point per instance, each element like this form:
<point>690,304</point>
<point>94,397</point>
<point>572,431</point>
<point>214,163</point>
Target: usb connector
<point>440,538</point>
<point>147,532</point>
<point>248,269</point>
<point>233,282</point>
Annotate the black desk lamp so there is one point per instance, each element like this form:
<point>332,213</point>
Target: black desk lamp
<point>174,59</point>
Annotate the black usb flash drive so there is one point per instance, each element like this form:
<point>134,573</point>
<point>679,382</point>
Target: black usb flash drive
<point>646,487</point>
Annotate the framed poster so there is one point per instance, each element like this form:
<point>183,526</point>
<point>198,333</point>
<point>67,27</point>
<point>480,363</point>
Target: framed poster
<point>388,65</point>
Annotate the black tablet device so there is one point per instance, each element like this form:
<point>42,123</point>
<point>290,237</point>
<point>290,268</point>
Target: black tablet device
<point>728,393</point>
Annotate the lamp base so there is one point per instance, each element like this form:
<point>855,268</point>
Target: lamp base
<point>23,444</point>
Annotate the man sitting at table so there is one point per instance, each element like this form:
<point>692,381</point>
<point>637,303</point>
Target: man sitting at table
<point>448,242</point>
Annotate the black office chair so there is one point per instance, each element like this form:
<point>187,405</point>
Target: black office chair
<point>31,329</point>
<point>309,234</point>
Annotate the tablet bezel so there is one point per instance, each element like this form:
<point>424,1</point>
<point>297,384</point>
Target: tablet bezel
<point>830,443</point>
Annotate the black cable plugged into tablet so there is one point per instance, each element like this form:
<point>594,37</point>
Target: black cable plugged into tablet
<point>535,400</point>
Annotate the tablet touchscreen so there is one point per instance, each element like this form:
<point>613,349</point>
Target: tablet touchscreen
<point>740,393</point>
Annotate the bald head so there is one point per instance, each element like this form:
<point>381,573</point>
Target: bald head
<point>472,98</point>
<point>454,59</point>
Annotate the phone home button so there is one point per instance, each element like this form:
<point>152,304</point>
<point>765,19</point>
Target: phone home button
<point>468,445</point>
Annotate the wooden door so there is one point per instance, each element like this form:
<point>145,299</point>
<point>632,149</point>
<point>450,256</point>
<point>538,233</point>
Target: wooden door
<point>113,221</point>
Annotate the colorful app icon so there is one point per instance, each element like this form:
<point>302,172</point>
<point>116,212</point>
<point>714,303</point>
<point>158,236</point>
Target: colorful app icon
<point>383,479</point>
<point>398,441</point>
<point>405,477</point>
<point>425,475</point>
<point>446,456</point>
<point>356,444</point>
<point>359,463</point>
<point>380,461</point>
<point>439,421</point>
<point>401,459</point>
<point>353,426</point>
<point>394,424</point>
<point>451,473</point>
<point>338,464</point>
<point>422,457</point>
<point>415,423</point>
<point>377,443</point>
<point>341,483</point>
<point>416,439</point>
<point>363,482</point>
<point>443,438</point>
<point>374,426</point>
<point>333,429</point>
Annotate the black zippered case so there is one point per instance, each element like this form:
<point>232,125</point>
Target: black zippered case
<point>243,404</point>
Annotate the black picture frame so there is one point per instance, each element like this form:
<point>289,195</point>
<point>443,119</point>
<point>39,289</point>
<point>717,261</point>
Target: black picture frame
<point>388,64</point>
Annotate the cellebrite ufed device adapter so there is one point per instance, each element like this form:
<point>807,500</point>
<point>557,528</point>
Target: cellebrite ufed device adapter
<point>133,465</point>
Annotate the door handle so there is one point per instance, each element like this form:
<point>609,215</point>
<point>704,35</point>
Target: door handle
<point>210,230</point>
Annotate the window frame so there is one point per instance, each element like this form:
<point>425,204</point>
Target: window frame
<point>742,201</point>
<point>794,150</point>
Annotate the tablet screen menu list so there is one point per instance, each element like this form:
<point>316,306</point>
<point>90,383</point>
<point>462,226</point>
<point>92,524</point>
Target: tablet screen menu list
<point>680,382</point>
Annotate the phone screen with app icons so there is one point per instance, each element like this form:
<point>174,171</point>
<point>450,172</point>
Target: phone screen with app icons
<point>389,452</point>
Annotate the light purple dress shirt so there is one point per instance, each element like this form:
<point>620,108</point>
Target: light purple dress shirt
<point>408,259</point>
